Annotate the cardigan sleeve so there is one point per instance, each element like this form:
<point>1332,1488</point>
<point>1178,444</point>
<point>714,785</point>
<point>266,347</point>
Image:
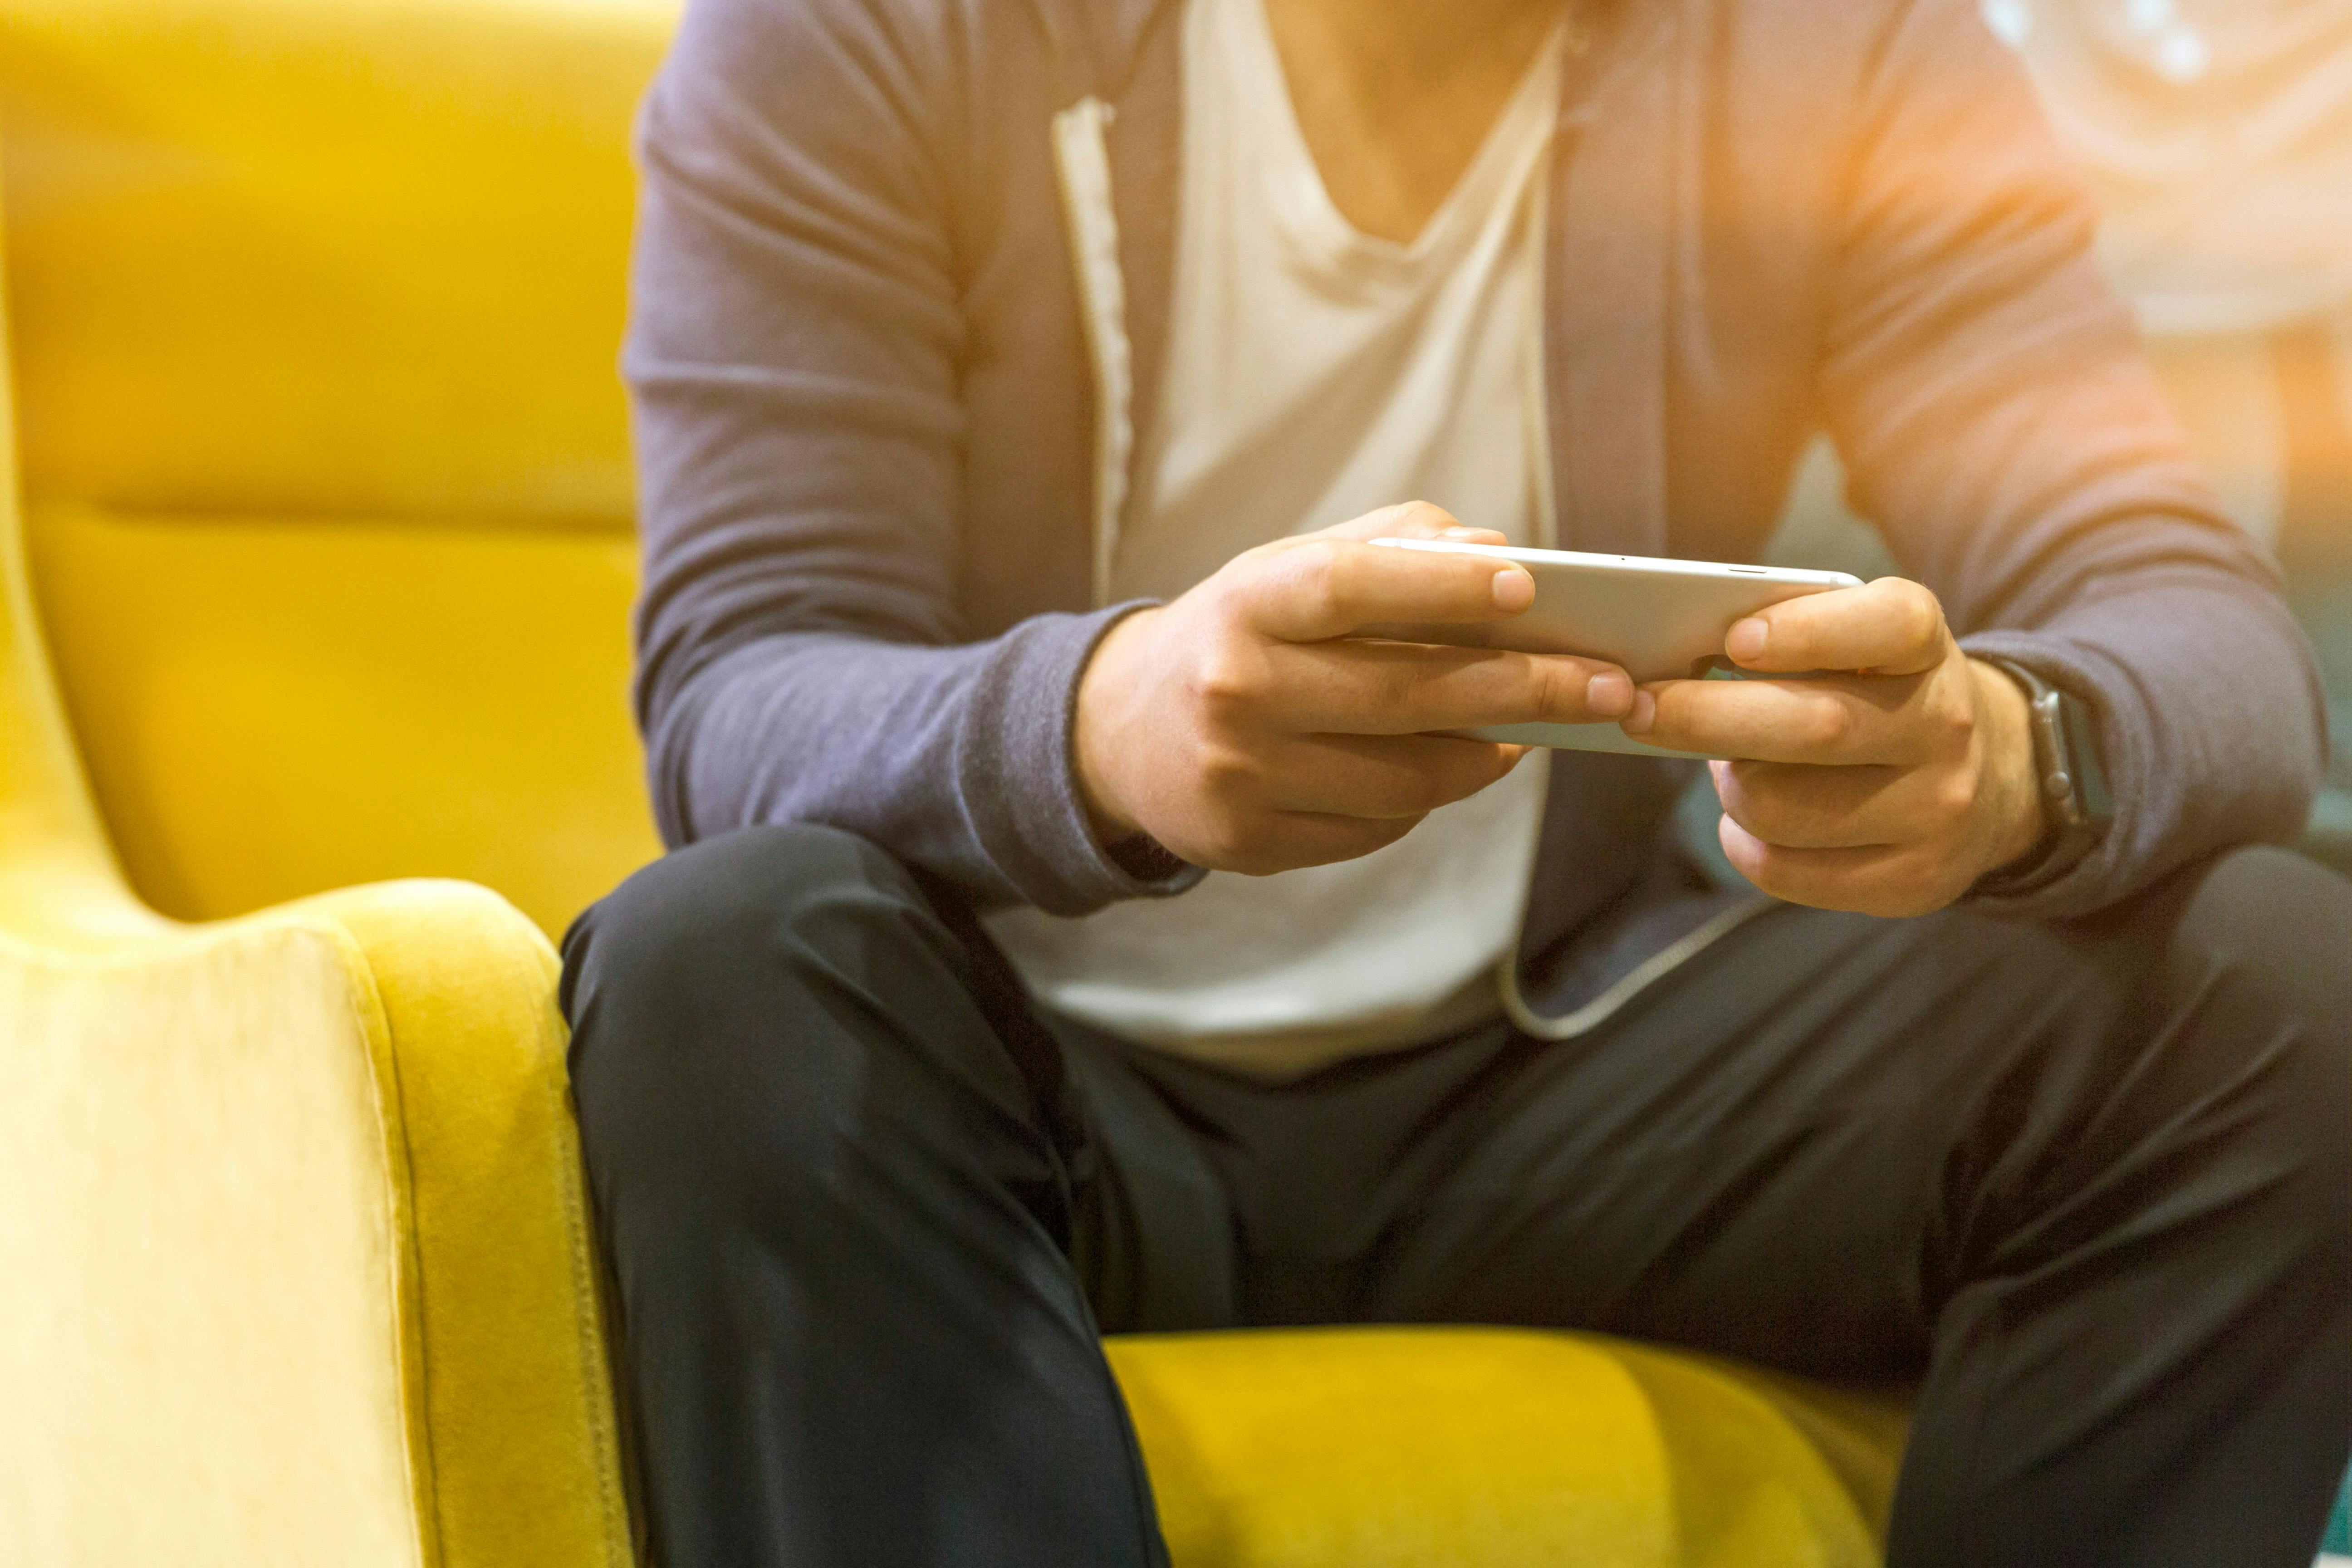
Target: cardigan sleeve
<point>793,358</point>
<point>1988,393</point>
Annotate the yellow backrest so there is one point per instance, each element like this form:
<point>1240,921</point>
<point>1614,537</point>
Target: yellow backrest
<point>327,497</point>
<point>58,883</point>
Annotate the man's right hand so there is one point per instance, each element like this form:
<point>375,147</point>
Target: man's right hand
<point>1243,730</point>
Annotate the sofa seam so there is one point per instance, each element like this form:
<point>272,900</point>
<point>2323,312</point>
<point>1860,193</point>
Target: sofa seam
<point>613,1513</point>
<point>366,1000</point>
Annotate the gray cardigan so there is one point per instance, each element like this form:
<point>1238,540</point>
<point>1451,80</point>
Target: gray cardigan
<point>882,429</point>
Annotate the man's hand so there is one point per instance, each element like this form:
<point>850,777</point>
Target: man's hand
<point>1242,728</point>
<point>1888,791</point>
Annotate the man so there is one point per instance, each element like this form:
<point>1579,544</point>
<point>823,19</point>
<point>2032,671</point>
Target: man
<point>1076,929</point>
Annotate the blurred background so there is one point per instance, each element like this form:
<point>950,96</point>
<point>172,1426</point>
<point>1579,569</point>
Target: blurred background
<point>2217,135</point>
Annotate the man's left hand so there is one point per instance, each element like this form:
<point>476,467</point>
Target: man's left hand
<point>1888,791</point>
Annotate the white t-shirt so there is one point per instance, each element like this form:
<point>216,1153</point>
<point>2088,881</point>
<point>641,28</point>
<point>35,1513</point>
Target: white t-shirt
<point>1314,373</point>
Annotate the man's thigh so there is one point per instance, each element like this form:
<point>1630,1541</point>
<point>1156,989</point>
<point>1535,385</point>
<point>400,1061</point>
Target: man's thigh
<point>1797,1147</point>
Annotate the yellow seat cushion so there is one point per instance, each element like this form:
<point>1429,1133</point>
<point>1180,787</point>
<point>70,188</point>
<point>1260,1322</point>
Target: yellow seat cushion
<point>1494,1448</point>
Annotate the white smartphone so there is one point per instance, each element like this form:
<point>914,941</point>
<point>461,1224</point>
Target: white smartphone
<point>1657,619</point>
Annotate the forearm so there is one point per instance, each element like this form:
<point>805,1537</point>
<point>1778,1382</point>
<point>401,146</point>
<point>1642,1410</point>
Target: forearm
<point>954,759</point>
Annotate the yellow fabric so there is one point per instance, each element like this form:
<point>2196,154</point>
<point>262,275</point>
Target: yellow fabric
<point>208,1322</point>
<point>517,1425</point>
<point>1475,1448</point>
<point>274,705</point>
<point>317,306</point>
<point>326,496</point>
<point>326,257</point>
<point>298,1254</point>
<point>297,1262</point>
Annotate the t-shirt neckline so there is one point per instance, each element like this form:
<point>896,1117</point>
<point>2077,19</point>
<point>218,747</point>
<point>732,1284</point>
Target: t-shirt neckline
<point>1302,202</point>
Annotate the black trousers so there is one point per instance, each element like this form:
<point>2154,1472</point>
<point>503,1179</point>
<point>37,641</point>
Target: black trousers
<point>868,1212</point>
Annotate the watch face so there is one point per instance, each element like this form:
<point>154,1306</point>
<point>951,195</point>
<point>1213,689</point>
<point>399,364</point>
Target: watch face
<point>2066,762</point>
<point>2050,756</point>
<point>2090,797</point>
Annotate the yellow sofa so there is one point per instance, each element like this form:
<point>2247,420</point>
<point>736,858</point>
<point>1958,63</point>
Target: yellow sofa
<point>319,580</point>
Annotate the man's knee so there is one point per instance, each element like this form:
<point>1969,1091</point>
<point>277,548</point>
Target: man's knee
<point>691,988</point>
<point>701,916</point>
<point>2259,964</point>
<point>2271,927</point>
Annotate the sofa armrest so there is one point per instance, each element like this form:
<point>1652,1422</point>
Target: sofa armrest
<point>298,1260</point>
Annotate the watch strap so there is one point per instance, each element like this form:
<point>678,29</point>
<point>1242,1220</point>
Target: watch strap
<point>2073,787</point>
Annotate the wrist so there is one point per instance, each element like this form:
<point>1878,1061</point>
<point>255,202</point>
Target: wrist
<point>2069,782</point>
<point>1095,750</point>
<point>2020,815</point>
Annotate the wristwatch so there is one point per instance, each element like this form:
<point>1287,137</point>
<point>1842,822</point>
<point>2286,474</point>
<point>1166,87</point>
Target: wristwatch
<point>2074,786</point>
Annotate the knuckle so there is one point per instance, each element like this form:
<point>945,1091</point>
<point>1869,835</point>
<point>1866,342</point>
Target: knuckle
<point>1555,688</point>
<point>1533,688</point>
<point>1225,682</point>
<point>1227,775</point>
<point>1828,725</point>
<point>1247,570</point>
<point>1941,731</point>
<point>1395,685</point>
<point>1323,577</point>
<point>1320,556</point>
<point>1952,799</point>
<point>1955,718</point>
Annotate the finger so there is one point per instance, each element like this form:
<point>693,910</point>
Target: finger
<point>1318,587</point>
<point>1892,880</point>
<point>1839,720</point>
<point>1890,627</point>
<point>1386,776</point>
<point>1794,806</point>
<point>1410,519</point>
<point>1406,689</point>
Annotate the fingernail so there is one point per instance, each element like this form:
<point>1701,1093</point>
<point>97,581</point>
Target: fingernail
<point>1645,712</point>
<point>1745,641</point>
<point>1459,532</point>
<point>1609,694</point>
<point>1514,590</point>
